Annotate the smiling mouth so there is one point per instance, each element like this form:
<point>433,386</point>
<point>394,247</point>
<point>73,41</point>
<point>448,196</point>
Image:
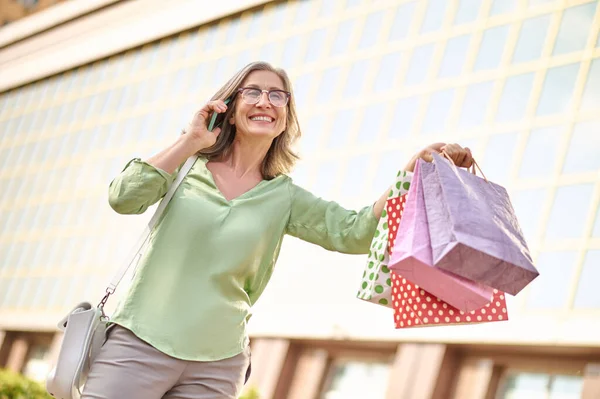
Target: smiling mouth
<point>261,119</point>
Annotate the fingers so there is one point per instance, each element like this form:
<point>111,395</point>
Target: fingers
<point>217,106</point>
<point>468,158</point>
<point>462,157</point>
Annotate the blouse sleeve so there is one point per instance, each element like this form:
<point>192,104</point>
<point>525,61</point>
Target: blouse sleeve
<point>329,225</point>
<point>137,187</point>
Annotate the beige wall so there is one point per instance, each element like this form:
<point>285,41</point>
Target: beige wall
<point>103,33</point>
<point>297,369</point>
<point>11,10</point>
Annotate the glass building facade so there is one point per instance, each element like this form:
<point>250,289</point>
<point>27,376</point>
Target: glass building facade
<point>516,81</point>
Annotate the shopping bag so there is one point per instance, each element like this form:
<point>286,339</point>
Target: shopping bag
<point>376,282</point>
<point>411,257</point>
<point>473,228</point>
<point>415,307</point>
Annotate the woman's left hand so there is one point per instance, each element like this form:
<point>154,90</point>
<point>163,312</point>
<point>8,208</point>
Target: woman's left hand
<point>462,157</point>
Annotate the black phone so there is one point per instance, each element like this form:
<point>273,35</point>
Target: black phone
<point>211,125</point>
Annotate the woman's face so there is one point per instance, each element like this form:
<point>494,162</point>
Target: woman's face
<point>263,119</point>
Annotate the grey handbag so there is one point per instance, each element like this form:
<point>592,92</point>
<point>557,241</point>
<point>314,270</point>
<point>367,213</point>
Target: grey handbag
<point>85,326</point>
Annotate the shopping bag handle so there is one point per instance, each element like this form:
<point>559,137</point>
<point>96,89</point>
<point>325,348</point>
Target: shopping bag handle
<point>471,169</point>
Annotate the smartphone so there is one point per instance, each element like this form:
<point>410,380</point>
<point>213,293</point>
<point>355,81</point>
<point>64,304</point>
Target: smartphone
<point>211,125</point>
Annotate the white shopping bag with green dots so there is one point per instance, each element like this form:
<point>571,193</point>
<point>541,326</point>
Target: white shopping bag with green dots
<point>376,283</point>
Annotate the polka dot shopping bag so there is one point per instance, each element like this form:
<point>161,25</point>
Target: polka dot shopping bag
<point>415,307</point>
<point>376,282</point>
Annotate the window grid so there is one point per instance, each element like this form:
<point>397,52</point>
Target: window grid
<point>19,103</point>
<point>357,11</point>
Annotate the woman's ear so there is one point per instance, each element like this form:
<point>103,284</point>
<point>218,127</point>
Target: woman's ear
<point>232,117</point>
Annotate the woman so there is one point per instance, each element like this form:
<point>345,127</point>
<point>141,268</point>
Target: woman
<point>181,330</point>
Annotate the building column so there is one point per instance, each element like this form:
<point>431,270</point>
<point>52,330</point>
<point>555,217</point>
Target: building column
<point>55,348</point>
<point>474,379</point>
<point>268,358</point>
<point>309,372</point>
<point>421,371</point>
<point>17,354</point>
<point>591,381</point>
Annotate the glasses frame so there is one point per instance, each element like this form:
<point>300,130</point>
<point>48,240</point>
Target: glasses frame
<point>287,94</point>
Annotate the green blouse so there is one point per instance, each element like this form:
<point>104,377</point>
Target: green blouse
<point>208,260</point>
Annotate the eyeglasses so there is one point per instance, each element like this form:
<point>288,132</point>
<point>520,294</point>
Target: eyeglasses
<point>251,96</point>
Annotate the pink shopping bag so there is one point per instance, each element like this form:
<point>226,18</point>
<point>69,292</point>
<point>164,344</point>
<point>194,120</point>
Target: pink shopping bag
<point>411,257</point>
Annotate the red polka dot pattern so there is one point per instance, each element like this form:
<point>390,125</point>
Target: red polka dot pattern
<point>395,209</point>
<point>414,306</point>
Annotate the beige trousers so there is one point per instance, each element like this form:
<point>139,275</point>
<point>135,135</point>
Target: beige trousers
<point>129,368</point>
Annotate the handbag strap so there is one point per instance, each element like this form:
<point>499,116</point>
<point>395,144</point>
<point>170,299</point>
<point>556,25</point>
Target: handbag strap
<point>139,246</point>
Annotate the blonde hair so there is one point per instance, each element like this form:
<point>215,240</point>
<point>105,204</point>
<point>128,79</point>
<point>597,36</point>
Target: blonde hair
<point>280,158</point>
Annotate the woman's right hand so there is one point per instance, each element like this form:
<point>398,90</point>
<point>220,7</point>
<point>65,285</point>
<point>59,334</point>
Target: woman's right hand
<point>197,130</point>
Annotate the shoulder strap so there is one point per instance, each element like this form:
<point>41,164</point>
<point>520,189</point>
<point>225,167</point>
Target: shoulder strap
<point>139,246</point>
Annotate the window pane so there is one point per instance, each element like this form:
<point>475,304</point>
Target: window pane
<point>574,28</point>
<point>355,176</point>
<point>402,21</point>
<point>387,72</point>
<point>531,39</point>
<point>327,8</point>
<point>356,79</point>
<point>541,152</point>
<point>476,102</point>
<point>342,37</point>
<point>566,387</point>
<point>467,11</point>
<point>267,52</point>
<point>232,31</point>
<point>328,84</point>
<point>492,47</point>
<point>569,212</point>
<point>404,117</point>
<point>371,30</point>
<point>515,97</point>
<point>302,12</point>
<point>558,89</point>
<point>498,158</point>
<point>525,386</point>
<point>326,177</point>
<point>278,16</point>
<point>528,207</point>
<point>371,123</point>
<point>584,148</point>
<point>388,165</point>
<point>434,16</point>
<point>596,231</point>
<point>534,3</point>
<point>454,56</point>
<point>315,45</point>
<point>290,51</point>
<point>591,95</point>
<point>438,111</point>
<point>588,295</point>
<point>342,126</point>
<point>300,174</point>
<point>550,290</point>
<point>419,65</point>
<point>258,20</point>
<point>302,87</point>
<point>355,379</point>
